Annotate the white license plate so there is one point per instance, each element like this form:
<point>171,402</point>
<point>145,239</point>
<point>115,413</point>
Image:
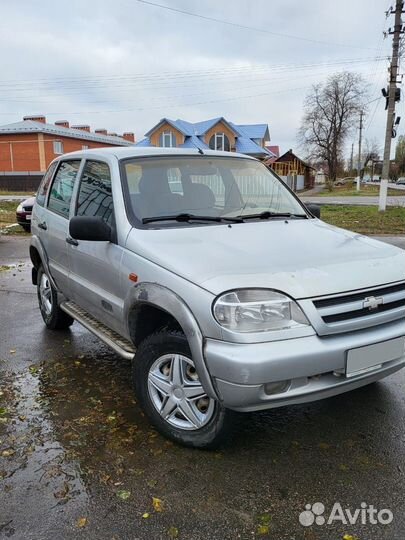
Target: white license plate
<point>372,357</point>
<point>28,217</point>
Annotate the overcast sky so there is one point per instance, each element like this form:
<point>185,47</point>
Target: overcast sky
<point>123,64</point>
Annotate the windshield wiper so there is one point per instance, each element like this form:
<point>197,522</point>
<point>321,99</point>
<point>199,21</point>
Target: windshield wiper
<point>192,217</point>
<point>270,215</point>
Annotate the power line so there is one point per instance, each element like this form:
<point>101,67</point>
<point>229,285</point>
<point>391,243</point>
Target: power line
<point>86,82</point>
<point>246,27</point>
<point>165,106</point>
<point>255,83</point>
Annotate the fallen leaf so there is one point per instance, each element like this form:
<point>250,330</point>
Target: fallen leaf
<point>173,532</point>
<point>7,453</point>
<point>12,351</point>
<point>349,537</point>
<point>123,494</point>
<point>152,483</point>
<point>263,530</point>
<point>324,446</point>
<point>62,493</point>
<point>265,519</point>
<point>3,411</point>
<point>81,522</point>
<point>146,515</point>
<point>157,504</point>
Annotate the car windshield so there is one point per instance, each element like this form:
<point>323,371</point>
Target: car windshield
<point>204,186</point>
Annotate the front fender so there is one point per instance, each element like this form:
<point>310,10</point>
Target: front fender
<point>165,299</point>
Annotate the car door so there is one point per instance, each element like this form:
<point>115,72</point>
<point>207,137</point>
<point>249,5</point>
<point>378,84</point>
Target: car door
<point>55,222</point>
<point>94,266</point>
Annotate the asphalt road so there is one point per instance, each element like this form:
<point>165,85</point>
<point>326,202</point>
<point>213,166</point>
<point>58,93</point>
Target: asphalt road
<point>13,197</point>
<point>352,201</point>
<point>79,461</point>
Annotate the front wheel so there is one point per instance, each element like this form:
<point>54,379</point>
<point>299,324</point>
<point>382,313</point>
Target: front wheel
<point>169,390</point>
<point>53,316</point>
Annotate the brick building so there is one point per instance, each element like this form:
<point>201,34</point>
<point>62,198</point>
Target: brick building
<point>27,147</point>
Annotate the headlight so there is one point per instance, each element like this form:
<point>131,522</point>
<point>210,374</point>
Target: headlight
<point>19,208</point>
<point>258,310</point>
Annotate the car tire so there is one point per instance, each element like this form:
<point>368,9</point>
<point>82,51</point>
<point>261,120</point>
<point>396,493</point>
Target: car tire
<point>164,392</point>
<point>27,228</point>
<point>53,316</point>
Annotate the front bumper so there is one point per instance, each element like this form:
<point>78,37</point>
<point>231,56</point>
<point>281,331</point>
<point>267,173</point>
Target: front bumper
<point>242,373</point>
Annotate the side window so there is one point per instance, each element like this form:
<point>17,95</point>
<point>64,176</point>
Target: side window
<point>95,196</point>
<point>62,187</point>
<point>44,185</point>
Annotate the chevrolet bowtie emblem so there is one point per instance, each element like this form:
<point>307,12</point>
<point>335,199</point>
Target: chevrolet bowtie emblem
<point>371,302</point>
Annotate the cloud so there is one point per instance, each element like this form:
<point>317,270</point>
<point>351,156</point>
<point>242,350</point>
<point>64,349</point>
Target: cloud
<point>123,65</point>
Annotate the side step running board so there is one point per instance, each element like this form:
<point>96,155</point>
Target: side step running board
<point>120,345</point>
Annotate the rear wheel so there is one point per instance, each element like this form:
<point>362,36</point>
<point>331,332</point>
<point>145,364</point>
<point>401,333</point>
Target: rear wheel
<point>171,394</point>
<point>53,316</point>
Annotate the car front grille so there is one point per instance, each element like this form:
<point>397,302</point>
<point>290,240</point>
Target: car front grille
<point>359,309</point>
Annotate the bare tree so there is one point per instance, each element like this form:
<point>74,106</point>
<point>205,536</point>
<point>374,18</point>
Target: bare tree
<point>330,114</point>
<point>400,154</point>
<point>371,153</point>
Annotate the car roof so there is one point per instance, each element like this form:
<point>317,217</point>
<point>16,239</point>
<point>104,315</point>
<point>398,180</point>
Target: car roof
<point>133,152</point>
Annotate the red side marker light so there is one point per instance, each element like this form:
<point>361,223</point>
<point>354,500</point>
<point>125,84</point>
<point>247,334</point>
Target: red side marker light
<point>133,277</point>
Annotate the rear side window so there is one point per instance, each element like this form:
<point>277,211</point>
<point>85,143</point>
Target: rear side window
<point>44,185</point>
<point>62,187</point>
<point>95,196</point>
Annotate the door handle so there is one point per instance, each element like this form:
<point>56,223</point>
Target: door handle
<point>72,241</point>
<point>43,226</point>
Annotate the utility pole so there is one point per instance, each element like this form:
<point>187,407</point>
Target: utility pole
<point>359,160</point>
<point>351,160</point>
<point>393,71</point>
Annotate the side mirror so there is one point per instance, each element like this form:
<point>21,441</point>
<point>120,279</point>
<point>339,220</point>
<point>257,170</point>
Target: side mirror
<point>93,229</point>
<point>314,209</point>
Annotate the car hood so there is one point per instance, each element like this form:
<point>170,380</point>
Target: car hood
<point>303,258</point>
<point>28,202</point>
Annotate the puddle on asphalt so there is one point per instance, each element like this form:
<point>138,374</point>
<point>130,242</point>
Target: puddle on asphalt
<point>33,456</point>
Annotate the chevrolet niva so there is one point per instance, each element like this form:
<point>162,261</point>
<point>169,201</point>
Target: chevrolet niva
<point>225,291</point>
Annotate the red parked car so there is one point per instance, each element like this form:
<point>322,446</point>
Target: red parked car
<point>23,213</point>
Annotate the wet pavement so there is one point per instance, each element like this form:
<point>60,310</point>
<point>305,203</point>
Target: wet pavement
<point>351,201</point>
<point>79,460</point>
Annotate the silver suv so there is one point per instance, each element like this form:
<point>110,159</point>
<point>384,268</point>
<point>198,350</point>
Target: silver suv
<point>224,289</point>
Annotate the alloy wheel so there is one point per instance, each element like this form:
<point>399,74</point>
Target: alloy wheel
<point>45,293</point>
